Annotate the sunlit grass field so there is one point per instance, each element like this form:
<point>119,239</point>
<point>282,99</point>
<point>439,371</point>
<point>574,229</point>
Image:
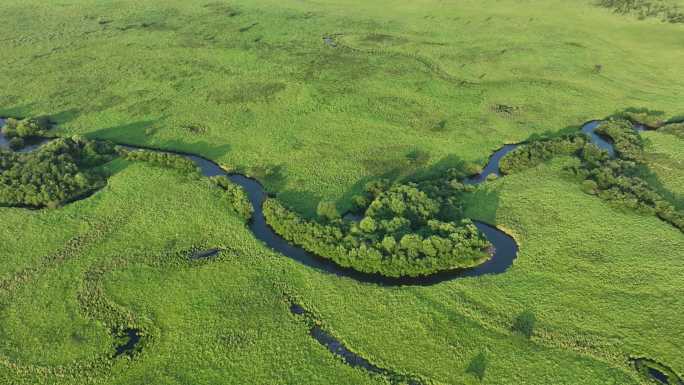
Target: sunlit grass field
<point>600,291</point>
<point>400,88</point>
<point>253,85</point>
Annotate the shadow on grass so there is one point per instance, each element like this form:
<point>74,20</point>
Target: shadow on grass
<point>134,134</point>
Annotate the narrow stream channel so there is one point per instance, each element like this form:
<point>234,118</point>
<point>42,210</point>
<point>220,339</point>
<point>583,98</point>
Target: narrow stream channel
<point>505,250</point>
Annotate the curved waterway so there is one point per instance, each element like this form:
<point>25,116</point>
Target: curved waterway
<point>505,248</point>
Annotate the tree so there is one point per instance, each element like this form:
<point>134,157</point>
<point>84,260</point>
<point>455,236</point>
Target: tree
<point>368,225</point>
<point>327,210</point>
<point>524,323</point>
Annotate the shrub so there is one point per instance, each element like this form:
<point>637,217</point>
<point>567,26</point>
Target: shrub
<point>676,129</point>
<point>627,142</point>
<point>25,128</point>
<point>590,187</point>
<point>524,323</point>
<point>327,210</point>
<point>16,143</point>
<point>664,10</point>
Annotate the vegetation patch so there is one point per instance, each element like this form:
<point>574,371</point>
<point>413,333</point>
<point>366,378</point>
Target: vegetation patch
<point>235,195</point>
<point>20,132</point>
<point>676,129</point>
<point>536,152</point>
<point>620,180</point>
<point>58,172</point>
<point>407,229</point>
<point>665,10</point>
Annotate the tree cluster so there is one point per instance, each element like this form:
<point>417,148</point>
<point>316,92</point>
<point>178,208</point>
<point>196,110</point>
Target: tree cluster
<point>664,10</point>
<point>235,195</point>
<point>18,131</point>
<point>161,159</point>
<point>536,152</point>
<point>676,129</point>
<point>403,231</point>
<point>626,141</point>
<point>619,180</point>
<point>56,173</point>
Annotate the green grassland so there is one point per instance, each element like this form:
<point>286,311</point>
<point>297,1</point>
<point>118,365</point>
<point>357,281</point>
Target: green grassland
<point>600,292</point>
<point>252,84</point>
<point>409,87</point>
<point>666,165</point>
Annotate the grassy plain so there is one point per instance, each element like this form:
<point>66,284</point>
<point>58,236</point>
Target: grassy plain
<point>410,86</point>
<point>665,160</point>
<point>600,292</point>
<point>253,85</point>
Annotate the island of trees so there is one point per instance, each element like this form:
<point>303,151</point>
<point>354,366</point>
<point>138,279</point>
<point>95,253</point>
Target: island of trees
<point>401,229</point>
<point>57,172</point>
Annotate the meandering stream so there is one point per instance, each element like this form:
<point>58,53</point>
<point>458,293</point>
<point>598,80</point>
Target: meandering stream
<point>505,248</point>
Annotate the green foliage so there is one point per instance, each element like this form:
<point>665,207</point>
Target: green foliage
<point>327,210</point>
<point>235,195</point>
<point>161,159</point>
<point>16,143</point>
<point>627,142</point>
<point>617,180</point>
<point>524,323</point>
<point>25,128</point>
<point>538,151</point>
<point>402,232</point>
<point>643,116</point>
<point>676,129</point>
<point>57,172</point>
<point>663,9</point>
<point>589,186</point>
<point>621,180</point>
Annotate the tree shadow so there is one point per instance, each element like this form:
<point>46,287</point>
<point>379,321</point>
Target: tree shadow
<point>480,201</point>
<point>63,116</point>
<point>17,111</point>
<point>136,134</point>
<point>653,180</point>
<point>645,116</point>
<point>477,366</point>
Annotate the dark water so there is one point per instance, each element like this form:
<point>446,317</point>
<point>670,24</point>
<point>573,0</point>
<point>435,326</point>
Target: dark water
<point>133,336</point>
<point>350,358</point>
<point>601,142</point>
<point>658,375</point>
<point>206,254</point>
<point>492,167</point>
<point>653,370</point>
<point>329,41</point>
<point>504,254</point>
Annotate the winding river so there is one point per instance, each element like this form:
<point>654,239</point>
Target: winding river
<point>505,248</point>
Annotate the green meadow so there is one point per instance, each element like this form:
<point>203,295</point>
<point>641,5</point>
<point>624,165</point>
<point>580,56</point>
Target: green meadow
<point>396,89</point>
